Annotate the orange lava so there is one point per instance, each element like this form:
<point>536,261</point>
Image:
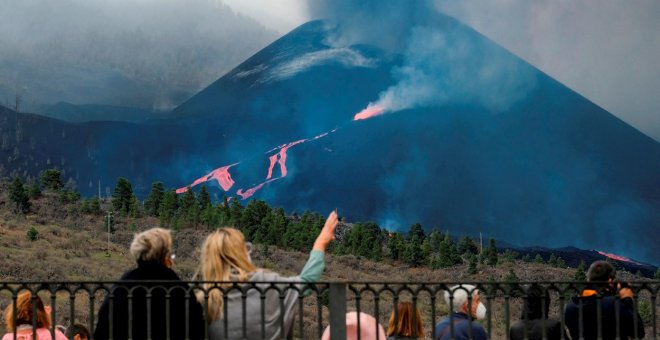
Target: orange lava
<point>369,112</point>
<point>221,175</point>
<point>616,257</point>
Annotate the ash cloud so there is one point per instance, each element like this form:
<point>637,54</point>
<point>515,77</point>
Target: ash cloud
<point>442,65</point>
<point>145,53</point>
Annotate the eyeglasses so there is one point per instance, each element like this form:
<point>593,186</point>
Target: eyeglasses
<point>248,247</point>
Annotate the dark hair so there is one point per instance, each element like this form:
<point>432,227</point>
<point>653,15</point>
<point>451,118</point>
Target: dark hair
<point>601,271</point>
<point>537,303</point>
<point>77,329</point>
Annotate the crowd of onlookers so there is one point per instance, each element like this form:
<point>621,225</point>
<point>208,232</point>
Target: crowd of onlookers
<point>151,301</point>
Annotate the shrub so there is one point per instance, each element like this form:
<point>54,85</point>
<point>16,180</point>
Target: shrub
<point>32,234</point>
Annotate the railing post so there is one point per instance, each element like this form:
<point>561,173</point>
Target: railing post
<point>337,306</point>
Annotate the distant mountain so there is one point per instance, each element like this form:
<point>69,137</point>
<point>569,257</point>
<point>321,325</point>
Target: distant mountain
<point>142,54</point>
<point>87,113</point>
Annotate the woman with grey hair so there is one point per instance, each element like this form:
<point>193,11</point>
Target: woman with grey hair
<point>153,316</point>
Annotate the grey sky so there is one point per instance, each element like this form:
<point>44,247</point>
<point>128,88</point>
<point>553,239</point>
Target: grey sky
<point>606,50</point>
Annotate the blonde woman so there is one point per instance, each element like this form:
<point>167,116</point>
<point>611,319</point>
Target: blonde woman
<point>224,258</point>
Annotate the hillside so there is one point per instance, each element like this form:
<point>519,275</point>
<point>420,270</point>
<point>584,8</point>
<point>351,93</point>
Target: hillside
<point>71,245</point>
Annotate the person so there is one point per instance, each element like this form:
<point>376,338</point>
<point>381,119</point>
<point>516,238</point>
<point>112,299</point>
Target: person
<point>406,324</point>
<point>369,328</point>
<point>535,318</point>
<point>152,250</point>
<point>225,258</point>
<point>462,317</point>
<point>77,332</point>
<point>21,323</point>
<point>603,290</point>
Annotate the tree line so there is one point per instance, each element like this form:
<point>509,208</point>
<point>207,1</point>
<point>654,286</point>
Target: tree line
<point>269,226</point>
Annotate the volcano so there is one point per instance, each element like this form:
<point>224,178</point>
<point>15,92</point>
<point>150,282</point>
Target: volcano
<point>481,142</point>
<point>549,167</point>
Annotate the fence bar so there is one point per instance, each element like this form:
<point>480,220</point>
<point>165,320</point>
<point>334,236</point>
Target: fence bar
<point>337,306</point>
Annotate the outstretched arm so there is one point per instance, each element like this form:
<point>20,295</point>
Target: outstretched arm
<point>314,266</point>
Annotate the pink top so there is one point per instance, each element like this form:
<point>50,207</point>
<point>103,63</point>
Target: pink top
<point>42,334</point>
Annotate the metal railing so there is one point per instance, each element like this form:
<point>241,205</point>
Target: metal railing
<point>155,310</point>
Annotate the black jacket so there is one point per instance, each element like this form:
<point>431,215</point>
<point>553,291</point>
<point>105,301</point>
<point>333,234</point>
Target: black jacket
<point>158,307</point>
<point>535,318</point>
<point>535,330</point>
<point>590,323</point>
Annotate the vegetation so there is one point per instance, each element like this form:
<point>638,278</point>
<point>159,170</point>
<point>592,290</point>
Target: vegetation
<point>271,227</point>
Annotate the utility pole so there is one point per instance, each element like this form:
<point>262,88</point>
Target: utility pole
<point>109,216</point>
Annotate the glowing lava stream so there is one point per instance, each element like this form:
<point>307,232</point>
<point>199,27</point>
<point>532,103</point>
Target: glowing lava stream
<point>616,257</point>
<point>223,177</point>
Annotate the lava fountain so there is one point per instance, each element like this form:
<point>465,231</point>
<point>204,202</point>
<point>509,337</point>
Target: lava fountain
<point>370,111</point>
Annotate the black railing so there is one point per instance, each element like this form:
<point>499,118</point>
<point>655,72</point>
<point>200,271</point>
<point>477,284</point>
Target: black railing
<point>304,310</point>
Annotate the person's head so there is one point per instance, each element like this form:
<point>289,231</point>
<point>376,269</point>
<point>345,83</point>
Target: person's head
<point>537,303</point>
<point>224,257</point>
<point>24,312</point>
<point>461,296</point>
<point>152,246</point>
<point>77,332</point>
<point>408,321</point>
<point>367,328</point>
<point>601,271</point>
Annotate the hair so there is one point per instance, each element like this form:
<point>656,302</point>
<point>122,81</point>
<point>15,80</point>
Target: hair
<point>24,312</point>
<point>152,245</point>
<point>77,329</point>
<point>404,326</point>
<point>601,271</point>
<point>223,258</point>
<point>536,304</point>
<point>460,294</point>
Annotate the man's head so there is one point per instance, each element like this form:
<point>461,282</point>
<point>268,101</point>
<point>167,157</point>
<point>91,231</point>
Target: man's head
<point>153,245</point>
<point>77,332</point>
<point>458,297</point>
<point>601,271</point>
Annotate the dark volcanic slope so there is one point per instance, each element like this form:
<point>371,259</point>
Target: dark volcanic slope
<point>551,168</point>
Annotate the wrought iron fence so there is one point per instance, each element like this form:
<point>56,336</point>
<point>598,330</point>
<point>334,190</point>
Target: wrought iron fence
<point>155,310</point>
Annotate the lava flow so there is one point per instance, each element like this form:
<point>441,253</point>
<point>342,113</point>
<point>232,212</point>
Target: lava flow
<point>222,176</point>
<point>616,257</point>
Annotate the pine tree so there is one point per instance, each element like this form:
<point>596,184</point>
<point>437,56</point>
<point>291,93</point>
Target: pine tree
<point>526,258</point>
<point>122,195</point>
<point>511,277</point>
<point>18,195</point>
<point>395,246</point>
<point>204,198</point>
<point>190,208</point>
<point>52,179</point>
<point>155,199</point>
<point>169,208</point>
<point>412,253</point>
<point>416,229</point>
<point>134,207</point>
<point>467,245</point>
<point>657,274</point>
<point>580,272</point>
<point>235,213</point>
<point>472,263</point>
<point>491,253</point>
<point>538,259</point>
